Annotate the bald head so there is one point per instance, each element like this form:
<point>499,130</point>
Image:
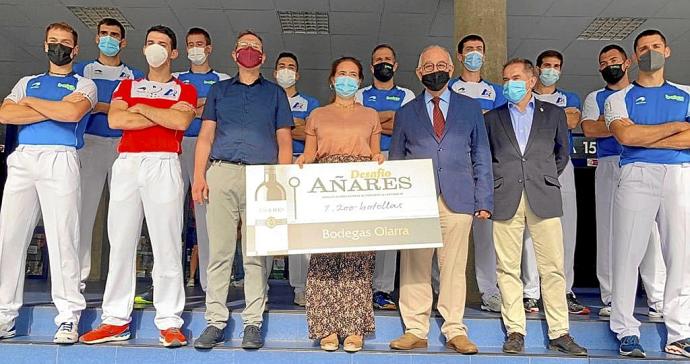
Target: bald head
<point>434,54</point>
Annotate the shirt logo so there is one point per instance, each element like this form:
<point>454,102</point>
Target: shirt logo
<point>372,98</point>
<point>486,92</point>
<point>156,91</point>
<point>675,97</point>
<point>209,82</point>
<point>67,86</point>
<point>299,106</point>
<point>35,85</point>
<point>124,75</point>
<point>392,98</point>
<point>560,100</point>
<point>186,82</point>
<point>98,71</point>
<point>640,100</point>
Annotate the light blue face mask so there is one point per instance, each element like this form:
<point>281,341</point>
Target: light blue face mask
<point>346,86</point>
<point>109,45</point>
<point>515,90</point>
<point>549,76</point>
<point>473,61</point>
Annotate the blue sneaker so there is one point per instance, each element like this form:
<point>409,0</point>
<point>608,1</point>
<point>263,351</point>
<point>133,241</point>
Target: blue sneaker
<point>680,347</point>
<point>383,301</point>
<point>7,330</point>
<point>630,346</point>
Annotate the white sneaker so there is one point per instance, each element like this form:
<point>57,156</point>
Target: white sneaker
<point>491,303</point>
<point>7,330</point>
<point>300,299</point>
<point>605,311</point>
<point>66,333</point>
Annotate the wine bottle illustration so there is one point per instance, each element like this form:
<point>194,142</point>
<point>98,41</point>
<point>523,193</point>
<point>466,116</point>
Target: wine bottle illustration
<point>271,222</point>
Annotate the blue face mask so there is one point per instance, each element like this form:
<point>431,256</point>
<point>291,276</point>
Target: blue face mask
<point>473,61</point>
<point>109,45</point>
<point>549,76</point>
<point>346,86</point>
<point>515,90</point>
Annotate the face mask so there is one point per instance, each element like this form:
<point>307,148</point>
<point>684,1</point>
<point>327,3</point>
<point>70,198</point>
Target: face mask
<point>286,77</point>
<point>515,90</point>
<point>383,71</point>
<point>473,61</point>
<point>435,81</point>
<point>249,57</point>
<point>109,45</point>
<point>346,86</point>
<point>651,61</point>
<point>549,76</point>
<point>156,55</point>
<point>613,73</point>
<point>59,54</point>
<point>196,55</point>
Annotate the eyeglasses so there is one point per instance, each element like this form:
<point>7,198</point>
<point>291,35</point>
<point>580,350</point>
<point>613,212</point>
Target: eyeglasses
<point>440,66</point>
<point>244,44</point>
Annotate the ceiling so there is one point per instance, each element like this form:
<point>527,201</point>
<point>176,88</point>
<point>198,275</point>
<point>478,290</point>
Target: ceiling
<point>356,27</point>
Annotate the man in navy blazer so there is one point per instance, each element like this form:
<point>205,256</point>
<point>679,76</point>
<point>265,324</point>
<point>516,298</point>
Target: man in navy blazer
<point>449,129</point>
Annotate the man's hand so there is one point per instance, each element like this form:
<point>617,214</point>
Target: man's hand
<point>378,157</point>
<point>200,190</point>
<point>300,161</point>
<point>74,97</point>
<point>482,214</point>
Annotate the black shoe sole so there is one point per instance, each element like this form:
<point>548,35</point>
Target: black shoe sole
<point>556,348</point>
<point>206,346</point>
<point>252,346</point>
<point>513,352</point>
<point>633,354</point>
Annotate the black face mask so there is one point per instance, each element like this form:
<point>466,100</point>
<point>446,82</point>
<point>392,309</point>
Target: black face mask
<point>59,54</point>
<point>383,71</point>
<point>613,73</point>
<point>436,80</point>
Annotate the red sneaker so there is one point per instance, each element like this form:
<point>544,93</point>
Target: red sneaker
<point>172,338</point>
<point>106,333</point>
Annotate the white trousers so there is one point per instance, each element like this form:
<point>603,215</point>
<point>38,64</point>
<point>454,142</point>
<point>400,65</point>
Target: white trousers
<point>187,162</point>
<point>530,276</point>
<point>648,193</point>
<point>652,269</point>
<point>96,158</point>
<point>41,179</point>
<point>145,185</point>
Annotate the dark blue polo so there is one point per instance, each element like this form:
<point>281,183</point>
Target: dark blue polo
<point>247,117</point>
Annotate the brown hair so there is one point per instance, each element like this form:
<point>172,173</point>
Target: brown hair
<point>63,26</point>
<point>249,32</point>
<point>337,62</point>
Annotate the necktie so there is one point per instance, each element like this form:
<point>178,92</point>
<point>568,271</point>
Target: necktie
<point>439,120</point>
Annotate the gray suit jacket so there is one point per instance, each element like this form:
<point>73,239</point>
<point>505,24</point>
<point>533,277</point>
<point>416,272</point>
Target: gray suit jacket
<point>537,171</point>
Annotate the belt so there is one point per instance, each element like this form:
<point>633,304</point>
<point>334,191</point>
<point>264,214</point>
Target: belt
<point>222,161</point>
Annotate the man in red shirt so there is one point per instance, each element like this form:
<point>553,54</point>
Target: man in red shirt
<point>147,182</point>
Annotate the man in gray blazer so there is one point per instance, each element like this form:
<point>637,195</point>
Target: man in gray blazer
<point>529,145</point>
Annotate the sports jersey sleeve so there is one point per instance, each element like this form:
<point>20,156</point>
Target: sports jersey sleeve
<point>686,89</point>
<point>79,68</point>
<point>500,99</point>
<point>409,96</point>
<point>137,73</point>
<point>210,107</point>
<point>313,104</point>
<point>573,101</point>
<point>222,76</point>
<point>359,96</point>
<point>123,91</point>
<point>188,94</point>
<point>87,88</point>
<point>615,108</point>
<point>591,109</point>
<point>283,112</point>
<point>19,90</point>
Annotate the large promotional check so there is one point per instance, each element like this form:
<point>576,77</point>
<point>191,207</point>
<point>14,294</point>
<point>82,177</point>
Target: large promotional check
<point>345,207</point>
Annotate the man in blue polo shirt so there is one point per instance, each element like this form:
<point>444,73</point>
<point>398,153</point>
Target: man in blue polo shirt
<point>471,51</point>
<point>100,149</point>
<point>549,65</point>
<point>260,134</point>
<point>51,110</point>
<point>202,77</point>
<point>287,74</point>
<point>650,119</point>
<point>613,66</point>
<point>385,97</point>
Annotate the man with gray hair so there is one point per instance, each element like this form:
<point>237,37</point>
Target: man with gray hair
<point>526,165</point>
<point>448,128</point>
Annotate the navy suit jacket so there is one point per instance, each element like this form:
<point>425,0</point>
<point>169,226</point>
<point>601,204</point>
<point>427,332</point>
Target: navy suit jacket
<point>461,156</point>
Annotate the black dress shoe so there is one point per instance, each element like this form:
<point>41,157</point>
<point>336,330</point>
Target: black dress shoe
<point>252,338</point>
<point>211,337</point>
<point>514,344</point>
<point>566,344</point>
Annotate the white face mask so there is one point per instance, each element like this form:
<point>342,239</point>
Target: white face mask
<point>156,55</point>
<point>196,55</point>
<point>286,77</point>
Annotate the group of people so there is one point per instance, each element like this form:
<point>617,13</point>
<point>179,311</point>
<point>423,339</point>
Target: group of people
<point>501,164</point>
